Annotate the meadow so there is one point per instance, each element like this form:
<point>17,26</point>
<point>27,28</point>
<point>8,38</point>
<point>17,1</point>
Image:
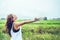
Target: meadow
<point>40,30</point>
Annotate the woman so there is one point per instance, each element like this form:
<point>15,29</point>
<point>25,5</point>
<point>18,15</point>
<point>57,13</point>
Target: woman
<point>14,28</point>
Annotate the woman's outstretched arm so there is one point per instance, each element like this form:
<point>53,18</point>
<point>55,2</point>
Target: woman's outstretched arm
<point>25,22</point>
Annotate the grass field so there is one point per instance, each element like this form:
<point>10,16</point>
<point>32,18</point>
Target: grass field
<point>40,30</point>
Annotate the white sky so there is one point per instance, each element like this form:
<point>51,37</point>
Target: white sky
<point>30,8</point>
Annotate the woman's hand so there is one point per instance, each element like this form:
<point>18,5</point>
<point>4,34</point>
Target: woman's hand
<point>36,19</point>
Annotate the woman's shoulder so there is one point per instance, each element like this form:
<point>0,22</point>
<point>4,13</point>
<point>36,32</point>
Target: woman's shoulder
<point>16,24</point>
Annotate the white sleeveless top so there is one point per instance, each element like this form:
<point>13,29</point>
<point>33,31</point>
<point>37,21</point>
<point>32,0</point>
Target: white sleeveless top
<point>17,35</point>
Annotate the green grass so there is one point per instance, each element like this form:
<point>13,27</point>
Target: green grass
<point>40,30</point>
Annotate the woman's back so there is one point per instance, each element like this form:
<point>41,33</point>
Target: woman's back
<point>16,35</point>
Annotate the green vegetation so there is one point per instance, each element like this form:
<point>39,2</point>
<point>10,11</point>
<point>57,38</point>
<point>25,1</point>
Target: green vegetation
<point>40,30</point>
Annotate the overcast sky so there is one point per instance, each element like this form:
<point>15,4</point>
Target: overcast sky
<point>30,8</point>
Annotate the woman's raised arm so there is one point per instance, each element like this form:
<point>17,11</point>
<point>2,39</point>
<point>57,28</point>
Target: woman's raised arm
<point>25,22</point>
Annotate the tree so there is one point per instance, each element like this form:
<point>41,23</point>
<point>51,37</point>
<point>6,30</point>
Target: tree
<point>45,18</point>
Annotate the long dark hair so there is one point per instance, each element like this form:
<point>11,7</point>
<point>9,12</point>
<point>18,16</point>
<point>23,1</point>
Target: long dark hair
<point>9,23</point>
